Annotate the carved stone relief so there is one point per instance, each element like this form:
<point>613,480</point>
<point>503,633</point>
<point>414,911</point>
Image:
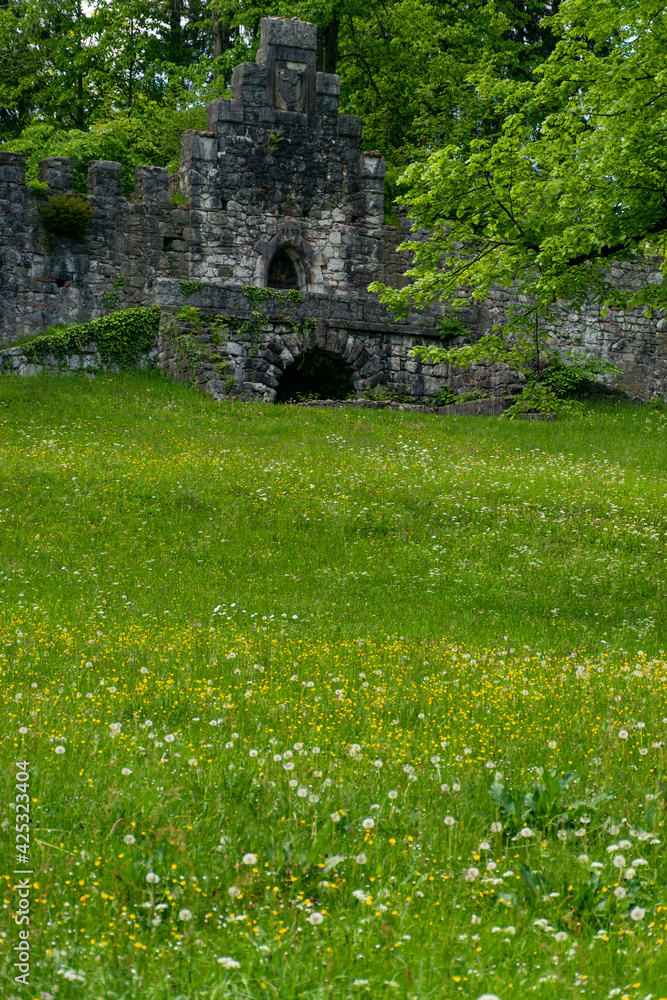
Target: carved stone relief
<point>291,86</point>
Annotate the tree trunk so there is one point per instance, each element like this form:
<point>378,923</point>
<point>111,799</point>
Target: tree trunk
<point>175,38</point>
<point>330,46</point>
<point>221,34</point>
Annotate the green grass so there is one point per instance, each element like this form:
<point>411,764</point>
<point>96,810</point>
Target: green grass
<point>451,609</point>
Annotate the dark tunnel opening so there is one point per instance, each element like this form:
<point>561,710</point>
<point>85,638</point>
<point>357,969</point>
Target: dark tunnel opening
<point>316,374</point>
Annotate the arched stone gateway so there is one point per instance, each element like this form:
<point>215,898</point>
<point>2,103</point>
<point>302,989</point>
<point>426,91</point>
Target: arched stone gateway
<point>286,350</point>
<point>288,365</point>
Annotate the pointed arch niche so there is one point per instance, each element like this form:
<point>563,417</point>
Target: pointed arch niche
<point>287,262</point>
<point>286,269</point>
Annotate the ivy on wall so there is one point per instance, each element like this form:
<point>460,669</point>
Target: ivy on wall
<point>201,340</point>
<point>255,327</point>
<point>121,338</point>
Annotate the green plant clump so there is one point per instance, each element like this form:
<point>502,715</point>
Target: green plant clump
<point>446,397</point>
<point>121,338</point>
<point>188,288</point>
<point>449,329</point>
<point>255,326</point>
<point>111,299</point>
<point>66,215</point>
<point>576,376</point>
<point>385,394</point>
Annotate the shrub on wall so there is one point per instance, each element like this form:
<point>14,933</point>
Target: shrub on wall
<point>66,215</point>
<point>121,338</point>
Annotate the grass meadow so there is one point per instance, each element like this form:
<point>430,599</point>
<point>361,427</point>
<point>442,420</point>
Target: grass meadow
<point>331,703</point>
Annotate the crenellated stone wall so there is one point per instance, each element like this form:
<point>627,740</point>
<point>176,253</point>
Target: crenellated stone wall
<point>268,176</point>
<point>276,193</point>
<point>44,284</point>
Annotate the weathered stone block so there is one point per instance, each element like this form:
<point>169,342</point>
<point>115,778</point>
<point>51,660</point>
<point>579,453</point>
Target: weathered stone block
<point>58,173</point>
<point>223,110</point>
<point>105,179</point>
<point>151,184</point>
<point>12,169</point>
<point>371,165</point>
<point>287,32</point>
<point>350,126</point>
<point>248,82</point>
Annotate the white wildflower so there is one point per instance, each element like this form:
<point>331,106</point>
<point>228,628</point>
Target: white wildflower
<point>226,962</point>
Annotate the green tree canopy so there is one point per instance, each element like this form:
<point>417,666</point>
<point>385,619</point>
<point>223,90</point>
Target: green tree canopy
<point>112,77</point>
<point>575,177</point>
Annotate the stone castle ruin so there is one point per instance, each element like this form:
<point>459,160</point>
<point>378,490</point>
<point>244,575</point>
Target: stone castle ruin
<point>276,195</point>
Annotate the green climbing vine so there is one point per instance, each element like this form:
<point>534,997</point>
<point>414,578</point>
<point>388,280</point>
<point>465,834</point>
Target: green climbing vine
<point>190,314</point>
<point>191,349</point>
<point>111,299</point>
<point>255,326</point>
<point>188,288</point>
<point>121,337</point>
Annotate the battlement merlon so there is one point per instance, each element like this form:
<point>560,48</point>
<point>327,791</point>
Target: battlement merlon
<point>58,173</point>
<point>12,169</point>
<point>105,179</point>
